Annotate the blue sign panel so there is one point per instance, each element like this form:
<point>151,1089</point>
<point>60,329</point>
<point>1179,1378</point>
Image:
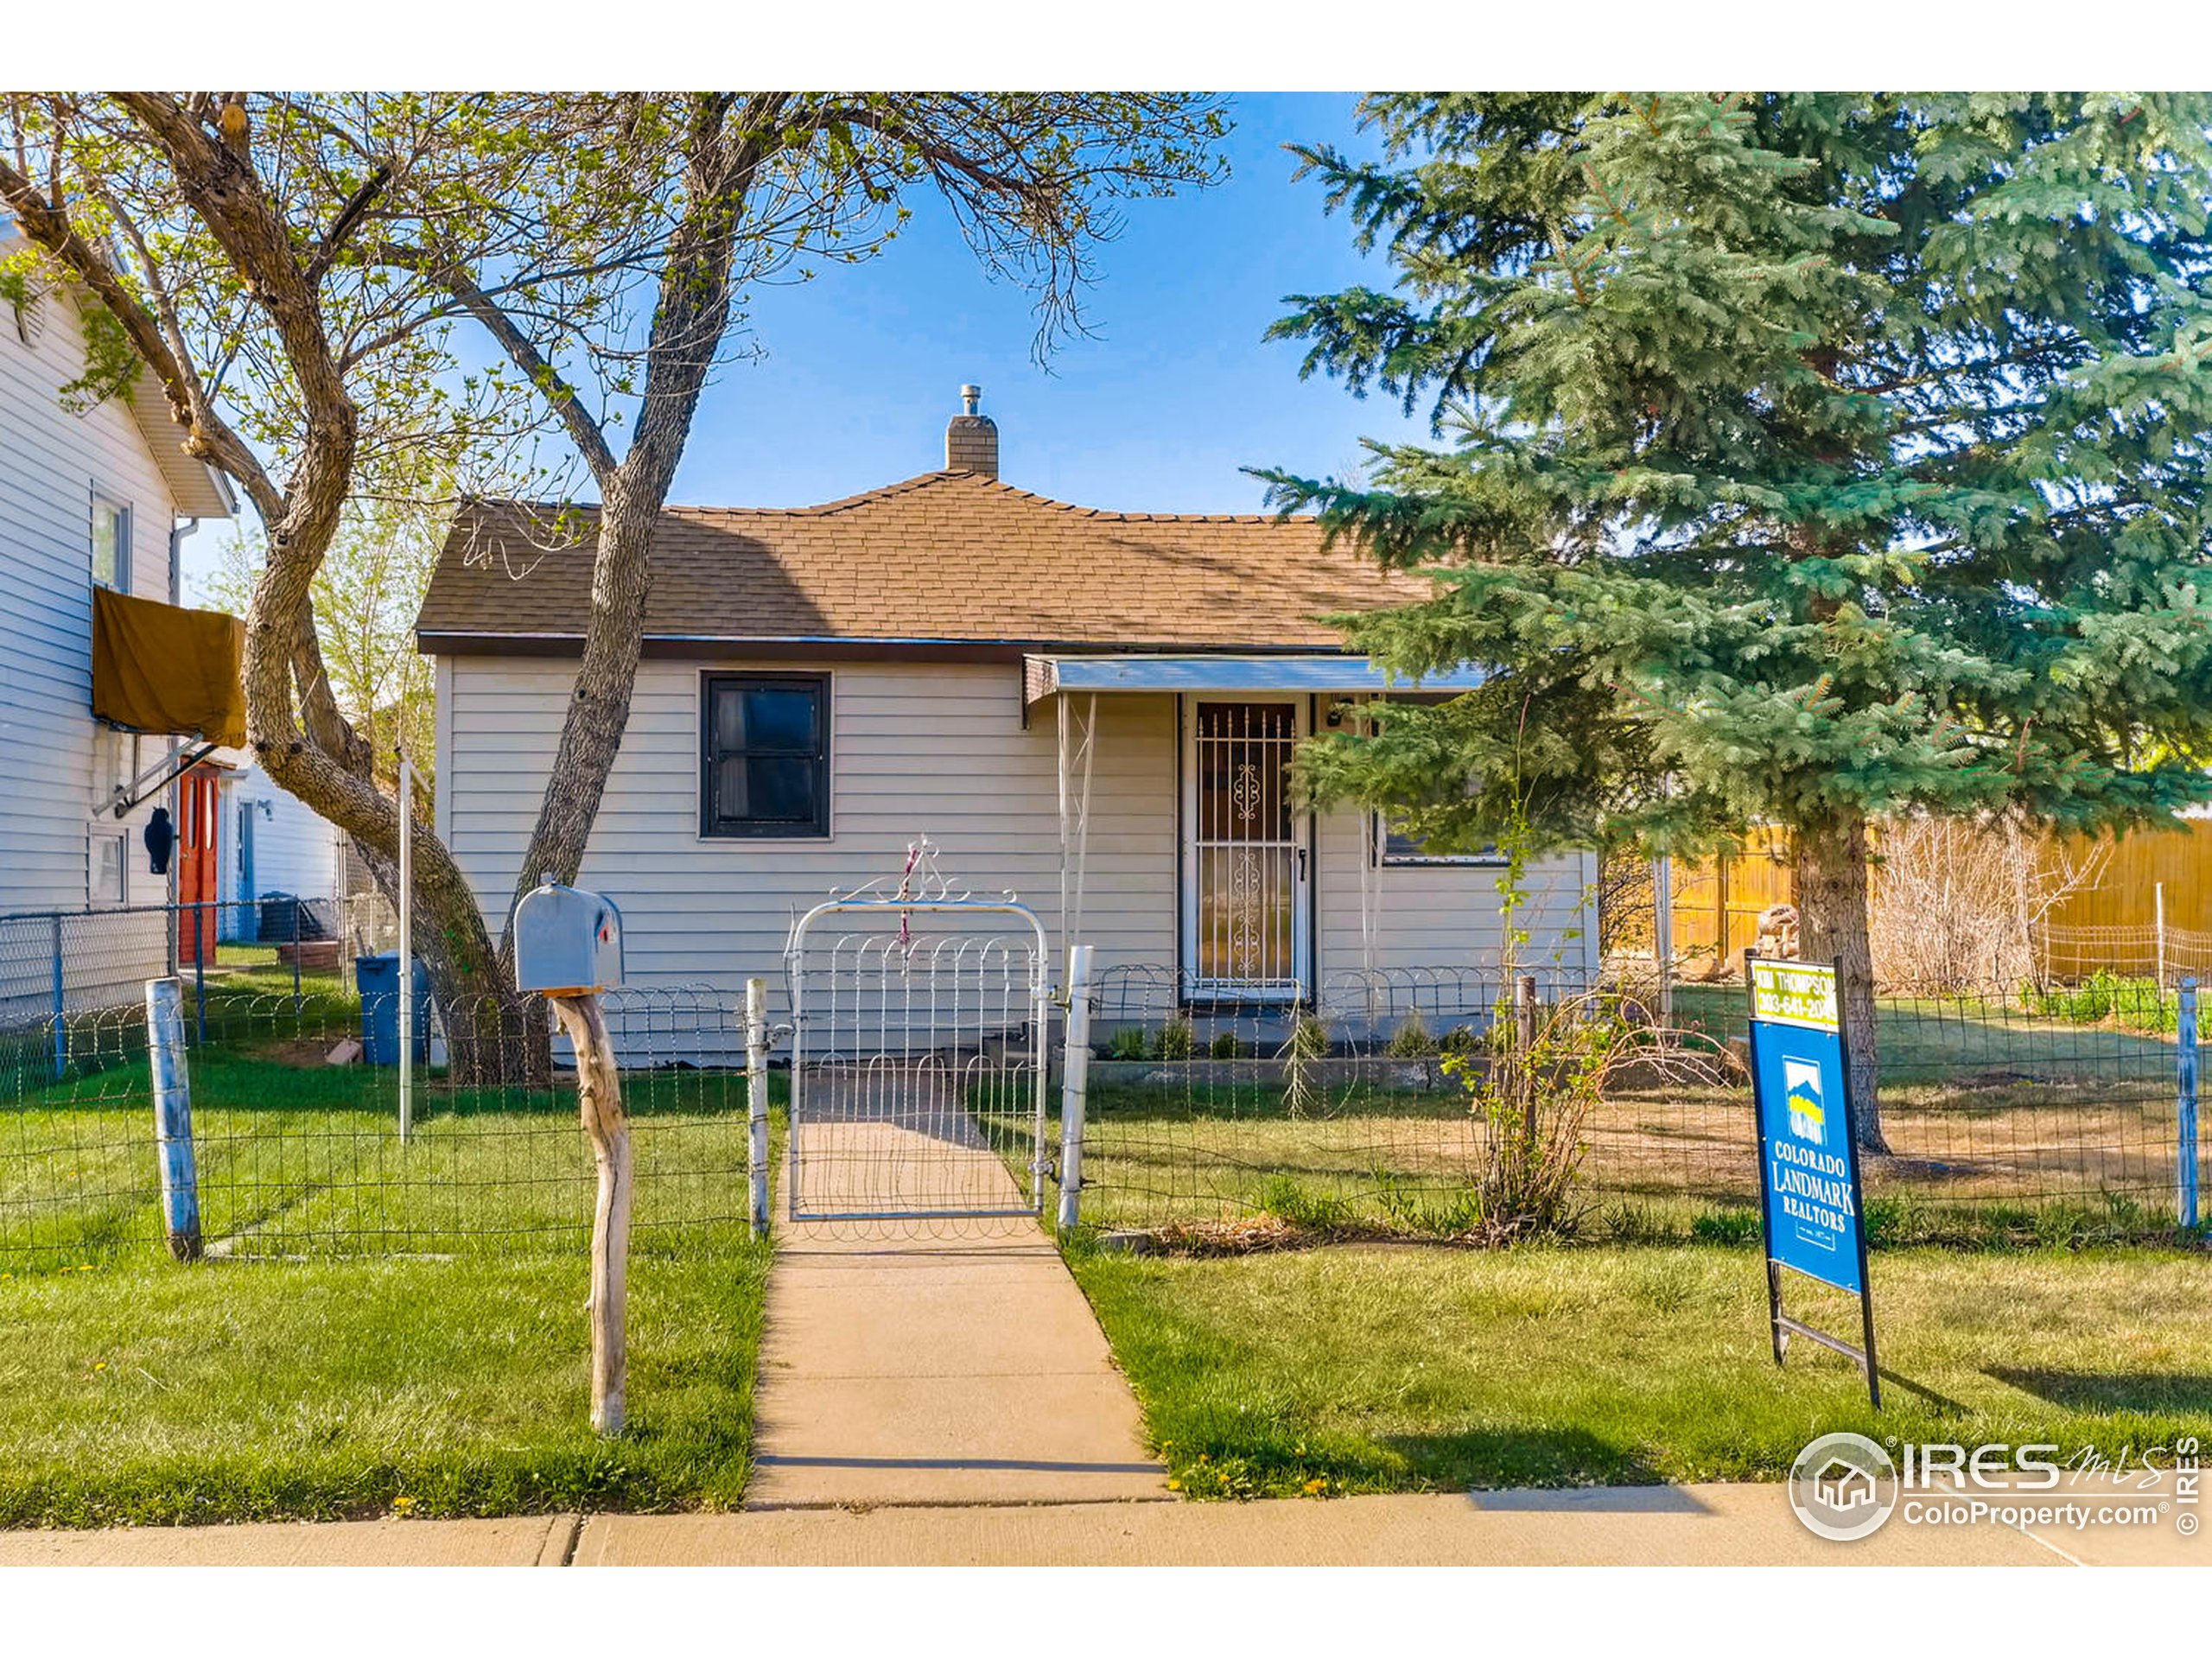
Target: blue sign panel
<point>1808,1162</point>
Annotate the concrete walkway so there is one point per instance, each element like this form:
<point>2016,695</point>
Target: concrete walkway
<point>931,1363</point>
<point>1708,1525</point>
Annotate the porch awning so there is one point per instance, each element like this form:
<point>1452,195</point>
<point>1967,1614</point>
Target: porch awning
<point>1332,672</point>
<point>164,669</point>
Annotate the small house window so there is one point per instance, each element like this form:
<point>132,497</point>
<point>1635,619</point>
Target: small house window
<point>111,866</point>
<point>1394,845</point>
<point>765,755</point>
<point>110,543</point>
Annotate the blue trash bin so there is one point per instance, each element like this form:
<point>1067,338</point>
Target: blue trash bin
<point>377,978</point>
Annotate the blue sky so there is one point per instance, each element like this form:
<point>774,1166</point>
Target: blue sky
<point>1177,391</point>
<point>1157,411</point>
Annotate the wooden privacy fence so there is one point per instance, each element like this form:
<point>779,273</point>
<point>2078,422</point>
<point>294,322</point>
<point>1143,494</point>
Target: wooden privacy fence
<point>1717,906</point>
<point>2141,907</point>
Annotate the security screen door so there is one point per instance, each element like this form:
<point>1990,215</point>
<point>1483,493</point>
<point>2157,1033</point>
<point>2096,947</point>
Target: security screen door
<point>1245,860</point>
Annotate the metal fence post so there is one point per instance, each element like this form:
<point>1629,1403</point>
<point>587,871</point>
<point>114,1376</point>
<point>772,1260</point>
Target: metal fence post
<point>2159,913</point>
<point>406,987</point>
<point>199,966</point>
<point>1075,1076</point>
<point>295,953</point>
<point>173,1117</point>
<point>61,1007</point>
<point>756,1099</point>
<point>2185,1125</point>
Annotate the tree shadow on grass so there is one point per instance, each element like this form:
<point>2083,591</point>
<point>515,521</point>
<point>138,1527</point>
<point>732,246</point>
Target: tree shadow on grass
<point>2150,1392</point>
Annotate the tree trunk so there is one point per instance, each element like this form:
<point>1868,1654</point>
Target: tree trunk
<point>599,1100</point>
<point>1831,883</point>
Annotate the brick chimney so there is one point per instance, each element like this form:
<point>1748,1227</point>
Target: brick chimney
<point>972,440</point>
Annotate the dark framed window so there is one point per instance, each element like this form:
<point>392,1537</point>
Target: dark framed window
<point>764,767</point>
<point>1393,846</point>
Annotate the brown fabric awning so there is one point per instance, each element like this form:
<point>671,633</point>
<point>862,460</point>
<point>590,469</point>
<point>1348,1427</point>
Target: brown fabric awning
<point>161,668</point>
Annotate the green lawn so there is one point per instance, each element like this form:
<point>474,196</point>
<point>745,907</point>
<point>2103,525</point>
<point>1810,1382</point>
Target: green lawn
<point>1383,1369</point>
<point>243,1390</point>
<point>378,1327</point>
<point>307,1159</point>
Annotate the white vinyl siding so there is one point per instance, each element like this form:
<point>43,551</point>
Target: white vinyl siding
<point>915,748</point>
<point>1447,915</point>
<point>53,464</point>
<point>61,764</point>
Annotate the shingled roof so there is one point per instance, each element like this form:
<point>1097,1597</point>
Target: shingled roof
<point>948,560</point>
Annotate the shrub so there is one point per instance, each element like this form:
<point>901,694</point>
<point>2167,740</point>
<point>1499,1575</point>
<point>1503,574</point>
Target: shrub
<point>1411,1041</point>
<point>1536,1091</point>
<point>1224,1046</point>
<point>1178,1040</point>
<point>1126,1044</point>
<point>2133,1004</point>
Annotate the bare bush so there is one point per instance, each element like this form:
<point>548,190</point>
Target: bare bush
<point>1548,1068</point>
<point>1957,901</point>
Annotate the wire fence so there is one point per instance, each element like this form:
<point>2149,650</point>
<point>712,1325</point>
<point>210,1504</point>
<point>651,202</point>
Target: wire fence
<point>295,1126</point>
<point>2010,1110</point>
<point>2047,1109</point>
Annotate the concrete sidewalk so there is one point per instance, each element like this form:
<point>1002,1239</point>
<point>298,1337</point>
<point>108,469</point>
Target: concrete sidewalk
<point>914,1368</point>
<point>1674,1525</point>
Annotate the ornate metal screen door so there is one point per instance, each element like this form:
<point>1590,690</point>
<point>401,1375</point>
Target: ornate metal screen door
<point>1245,876</point>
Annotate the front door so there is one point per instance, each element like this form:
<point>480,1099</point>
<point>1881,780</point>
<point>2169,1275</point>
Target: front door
<point>199,873</point>
<point>1245,851</point>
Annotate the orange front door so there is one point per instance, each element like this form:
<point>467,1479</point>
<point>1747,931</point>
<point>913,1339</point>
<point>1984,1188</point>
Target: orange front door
<point>198,868</point>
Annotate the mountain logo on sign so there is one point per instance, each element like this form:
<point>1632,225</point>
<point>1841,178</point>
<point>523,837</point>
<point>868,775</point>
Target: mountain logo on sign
<point>1808,1117</point>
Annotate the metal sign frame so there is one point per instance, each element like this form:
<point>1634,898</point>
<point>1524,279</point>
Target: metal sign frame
<point>1780,1325</point>
<point>922,891</point>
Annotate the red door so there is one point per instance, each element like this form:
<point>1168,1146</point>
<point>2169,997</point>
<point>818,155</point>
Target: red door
<point>198,868</point>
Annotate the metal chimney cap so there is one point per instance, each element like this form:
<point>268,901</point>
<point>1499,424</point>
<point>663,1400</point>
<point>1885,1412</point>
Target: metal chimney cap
<point>971,396</point>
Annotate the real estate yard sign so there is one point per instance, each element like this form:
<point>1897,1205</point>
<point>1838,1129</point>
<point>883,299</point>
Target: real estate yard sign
<point>1808,1157</point>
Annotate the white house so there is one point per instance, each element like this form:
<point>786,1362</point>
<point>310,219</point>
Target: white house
<point>88,498</point>
<point>1093,710</point>
<point>273,843</point>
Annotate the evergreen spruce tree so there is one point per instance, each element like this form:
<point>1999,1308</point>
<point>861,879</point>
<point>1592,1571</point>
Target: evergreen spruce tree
<point>1802,459</point>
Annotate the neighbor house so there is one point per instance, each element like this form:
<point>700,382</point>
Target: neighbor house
<point>91,499</point>
<point>277,850</point>
<point>1092,710</point>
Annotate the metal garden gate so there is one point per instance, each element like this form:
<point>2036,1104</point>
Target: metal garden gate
<point>919,1019</point>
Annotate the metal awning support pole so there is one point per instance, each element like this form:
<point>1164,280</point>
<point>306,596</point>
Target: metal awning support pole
<point>1083,816</point>
<point>1662,934</point>
<point>175,762</point>
<point>1067,934</point>
<point>406,948</point>
<point>1075,816</point>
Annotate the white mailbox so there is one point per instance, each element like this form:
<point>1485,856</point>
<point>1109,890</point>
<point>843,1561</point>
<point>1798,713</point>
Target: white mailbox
<point>568,942</point>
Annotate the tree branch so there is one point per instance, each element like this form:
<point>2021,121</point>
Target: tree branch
<point>206,435</point>
<point>334,239</point>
